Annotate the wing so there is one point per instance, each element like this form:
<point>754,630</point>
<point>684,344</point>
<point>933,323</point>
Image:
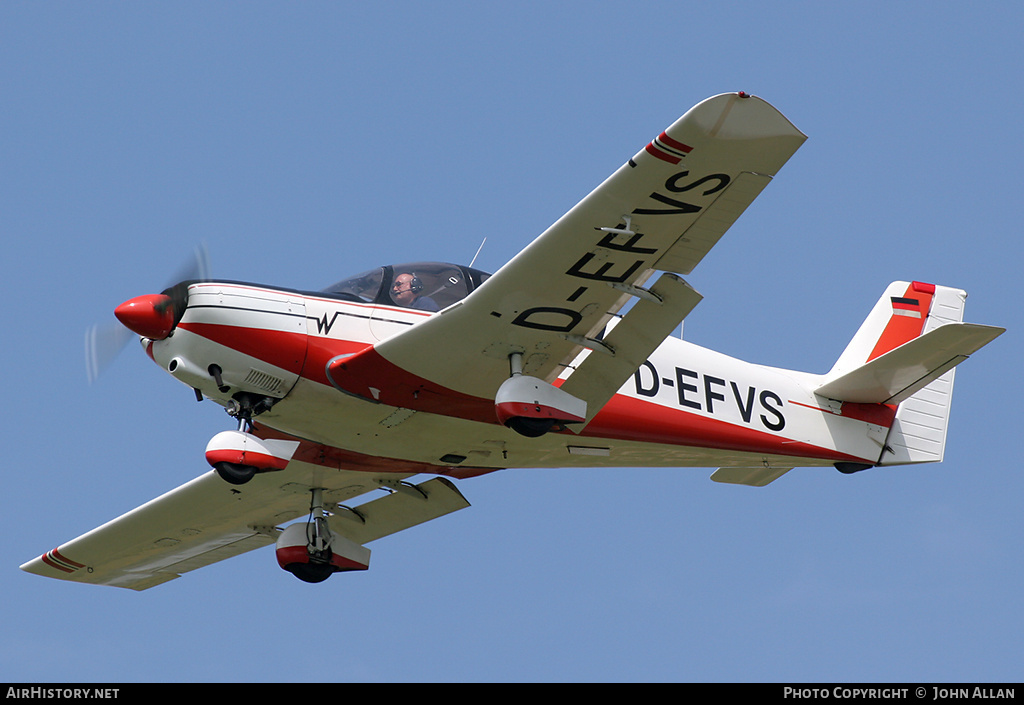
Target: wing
<point>662,210</point>
<point>207,520</point>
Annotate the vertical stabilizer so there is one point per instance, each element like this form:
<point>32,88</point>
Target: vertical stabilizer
<point>905,354</point>
<point>897,318</point>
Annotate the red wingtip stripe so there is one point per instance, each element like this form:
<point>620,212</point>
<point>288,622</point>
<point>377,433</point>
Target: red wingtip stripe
<point>58,555</point>
<point>674,144</point>
<point>47,561</point>
<point>663,156</point>
<point>55,560</point>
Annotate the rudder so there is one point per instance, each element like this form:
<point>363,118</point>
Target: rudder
<point>918,434</point>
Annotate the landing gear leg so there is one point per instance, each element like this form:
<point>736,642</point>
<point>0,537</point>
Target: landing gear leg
<point>312,553</point>
<point>244,406</point>
<point>238,473</point>
<point>318,532</point>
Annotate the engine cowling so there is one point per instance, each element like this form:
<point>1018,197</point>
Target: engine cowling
<point>313,555</point>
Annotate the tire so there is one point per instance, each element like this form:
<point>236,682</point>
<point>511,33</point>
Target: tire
<point>531,428</point>
<point>234,473</point>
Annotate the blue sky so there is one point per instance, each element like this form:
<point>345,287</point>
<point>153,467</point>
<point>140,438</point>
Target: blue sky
<point>306,141</point>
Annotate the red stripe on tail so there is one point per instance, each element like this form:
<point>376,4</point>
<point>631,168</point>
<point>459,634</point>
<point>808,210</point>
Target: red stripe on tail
<point>903,328</point>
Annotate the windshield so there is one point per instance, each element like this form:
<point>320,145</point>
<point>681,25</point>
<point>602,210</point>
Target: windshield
<point>424,286</point>
<point>362,287</point>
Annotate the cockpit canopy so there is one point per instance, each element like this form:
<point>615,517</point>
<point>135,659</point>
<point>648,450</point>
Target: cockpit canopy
<point>424,286</point>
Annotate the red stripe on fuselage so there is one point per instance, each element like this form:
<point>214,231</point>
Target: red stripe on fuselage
<point>369,375</point>
<point>623,418</point>
<point>279,348</point>
<point>878,414</point>
<point>341,459</point>
<point>629,419</point>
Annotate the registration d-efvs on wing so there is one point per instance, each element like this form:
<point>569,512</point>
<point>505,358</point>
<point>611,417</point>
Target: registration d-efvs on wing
<point>662,210</point>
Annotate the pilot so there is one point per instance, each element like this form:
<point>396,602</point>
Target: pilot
<point>407,291</point>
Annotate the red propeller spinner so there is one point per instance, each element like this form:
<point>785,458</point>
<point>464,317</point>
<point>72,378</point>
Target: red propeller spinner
<point>151,316</point>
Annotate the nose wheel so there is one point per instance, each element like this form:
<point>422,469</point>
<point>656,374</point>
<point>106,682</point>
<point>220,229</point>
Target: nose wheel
<point>238,456</point>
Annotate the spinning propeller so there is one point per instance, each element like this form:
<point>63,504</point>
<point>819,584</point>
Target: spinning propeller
<point>149,316</point>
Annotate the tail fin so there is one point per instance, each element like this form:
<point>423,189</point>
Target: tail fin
<point>905,353</point>
<point>898,317</point>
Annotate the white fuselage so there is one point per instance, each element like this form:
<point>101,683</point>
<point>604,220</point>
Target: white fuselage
<point>685,406</point>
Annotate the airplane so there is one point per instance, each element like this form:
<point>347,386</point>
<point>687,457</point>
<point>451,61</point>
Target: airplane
<point>565,357</point>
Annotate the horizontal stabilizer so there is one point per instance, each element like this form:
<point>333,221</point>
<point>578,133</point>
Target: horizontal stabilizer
<point>899,373</point>
<point>753,476</point>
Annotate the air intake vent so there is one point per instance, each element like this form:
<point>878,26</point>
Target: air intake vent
<point>265,382</point>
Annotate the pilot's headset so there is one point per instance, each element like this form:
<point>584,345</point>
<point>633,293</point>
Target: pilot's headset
<point>415,286</point>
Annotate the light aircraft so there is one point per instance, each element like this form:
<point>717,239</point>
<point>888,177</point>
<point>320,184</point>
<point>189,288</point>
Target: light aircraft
<point>564,357</point>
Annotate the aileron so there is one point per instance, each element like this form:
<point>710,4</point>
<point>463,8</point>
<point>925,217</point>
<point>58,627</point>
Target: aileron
<point>697,240</point>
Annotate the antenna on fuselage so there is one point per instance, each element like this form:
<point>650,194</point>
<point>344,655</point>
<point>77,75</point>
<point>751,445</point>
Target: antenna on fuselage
<point>477,252</point>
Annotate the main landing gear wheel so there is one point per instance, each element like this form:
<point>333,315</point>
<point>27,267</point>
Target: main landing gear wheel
<point>311,572</point>
<point>531,428</point>
<point>234,473</point>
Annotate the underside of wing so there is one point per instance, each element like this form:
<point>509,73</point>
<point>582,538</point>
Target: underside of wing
<point>208,520</point>
<point>201,522</point>
<point>662,210</point>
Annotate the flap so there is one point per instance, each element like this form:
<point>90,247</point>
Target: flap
<point>630,342</point>
<point>398,511</point>
<point>753,476</point>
